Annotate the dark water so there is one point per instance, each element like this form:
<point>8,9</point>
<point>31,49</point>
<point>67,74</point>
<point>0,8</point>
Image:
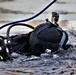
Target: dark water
<point>62,63</point>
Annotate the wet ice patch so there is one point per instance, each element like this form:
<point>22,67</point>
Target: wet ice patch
<point>32,58</point>
<point>55,56</point>
<point>15,55</point>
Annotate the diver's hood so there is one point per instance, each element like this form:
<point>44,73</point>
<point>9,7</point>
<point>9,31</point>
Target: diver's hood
<point>45,36</point>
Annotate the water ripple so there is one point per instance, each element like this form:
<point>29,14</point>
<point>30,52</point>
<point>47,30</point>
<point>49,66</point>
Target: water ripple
<point>5,0</point>
<point>65,2</point>
<point>3,10</point>
<point>65,12</point>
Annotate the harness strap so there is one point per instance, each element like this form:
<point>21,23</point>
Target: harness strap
<point>62,40</point>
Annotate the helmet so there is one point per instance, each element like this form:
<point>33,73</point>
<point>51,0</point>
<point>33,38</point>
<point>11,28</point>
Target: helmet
<point>47,36</point>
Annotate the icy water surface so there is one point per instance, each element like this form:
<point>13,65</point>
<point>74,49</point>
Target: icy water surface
<point>61,63</point>
<point>20,9</point>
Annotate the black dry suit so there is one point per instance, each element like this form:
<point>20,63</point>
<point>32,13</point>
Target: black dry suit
<point>47,36</point>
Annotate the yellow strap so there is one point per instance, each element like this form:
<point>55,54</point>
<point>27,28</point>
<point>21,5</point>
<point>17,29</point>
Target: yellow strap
<point>52,19</point>
<point>1,58</point>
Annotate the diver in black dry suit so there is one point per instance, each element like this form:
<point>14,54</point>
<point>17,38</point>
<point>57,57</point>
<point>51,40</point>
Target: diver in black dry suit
<point>45,36</point>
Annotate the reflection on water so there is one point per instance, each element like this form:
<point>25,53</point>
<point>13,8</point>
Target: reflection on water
<point>9,11</point>
<point>5,0</point>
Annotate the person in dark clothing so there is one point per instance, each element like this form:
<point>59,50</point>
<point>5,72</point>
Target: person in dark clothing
<point>47,35</point>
